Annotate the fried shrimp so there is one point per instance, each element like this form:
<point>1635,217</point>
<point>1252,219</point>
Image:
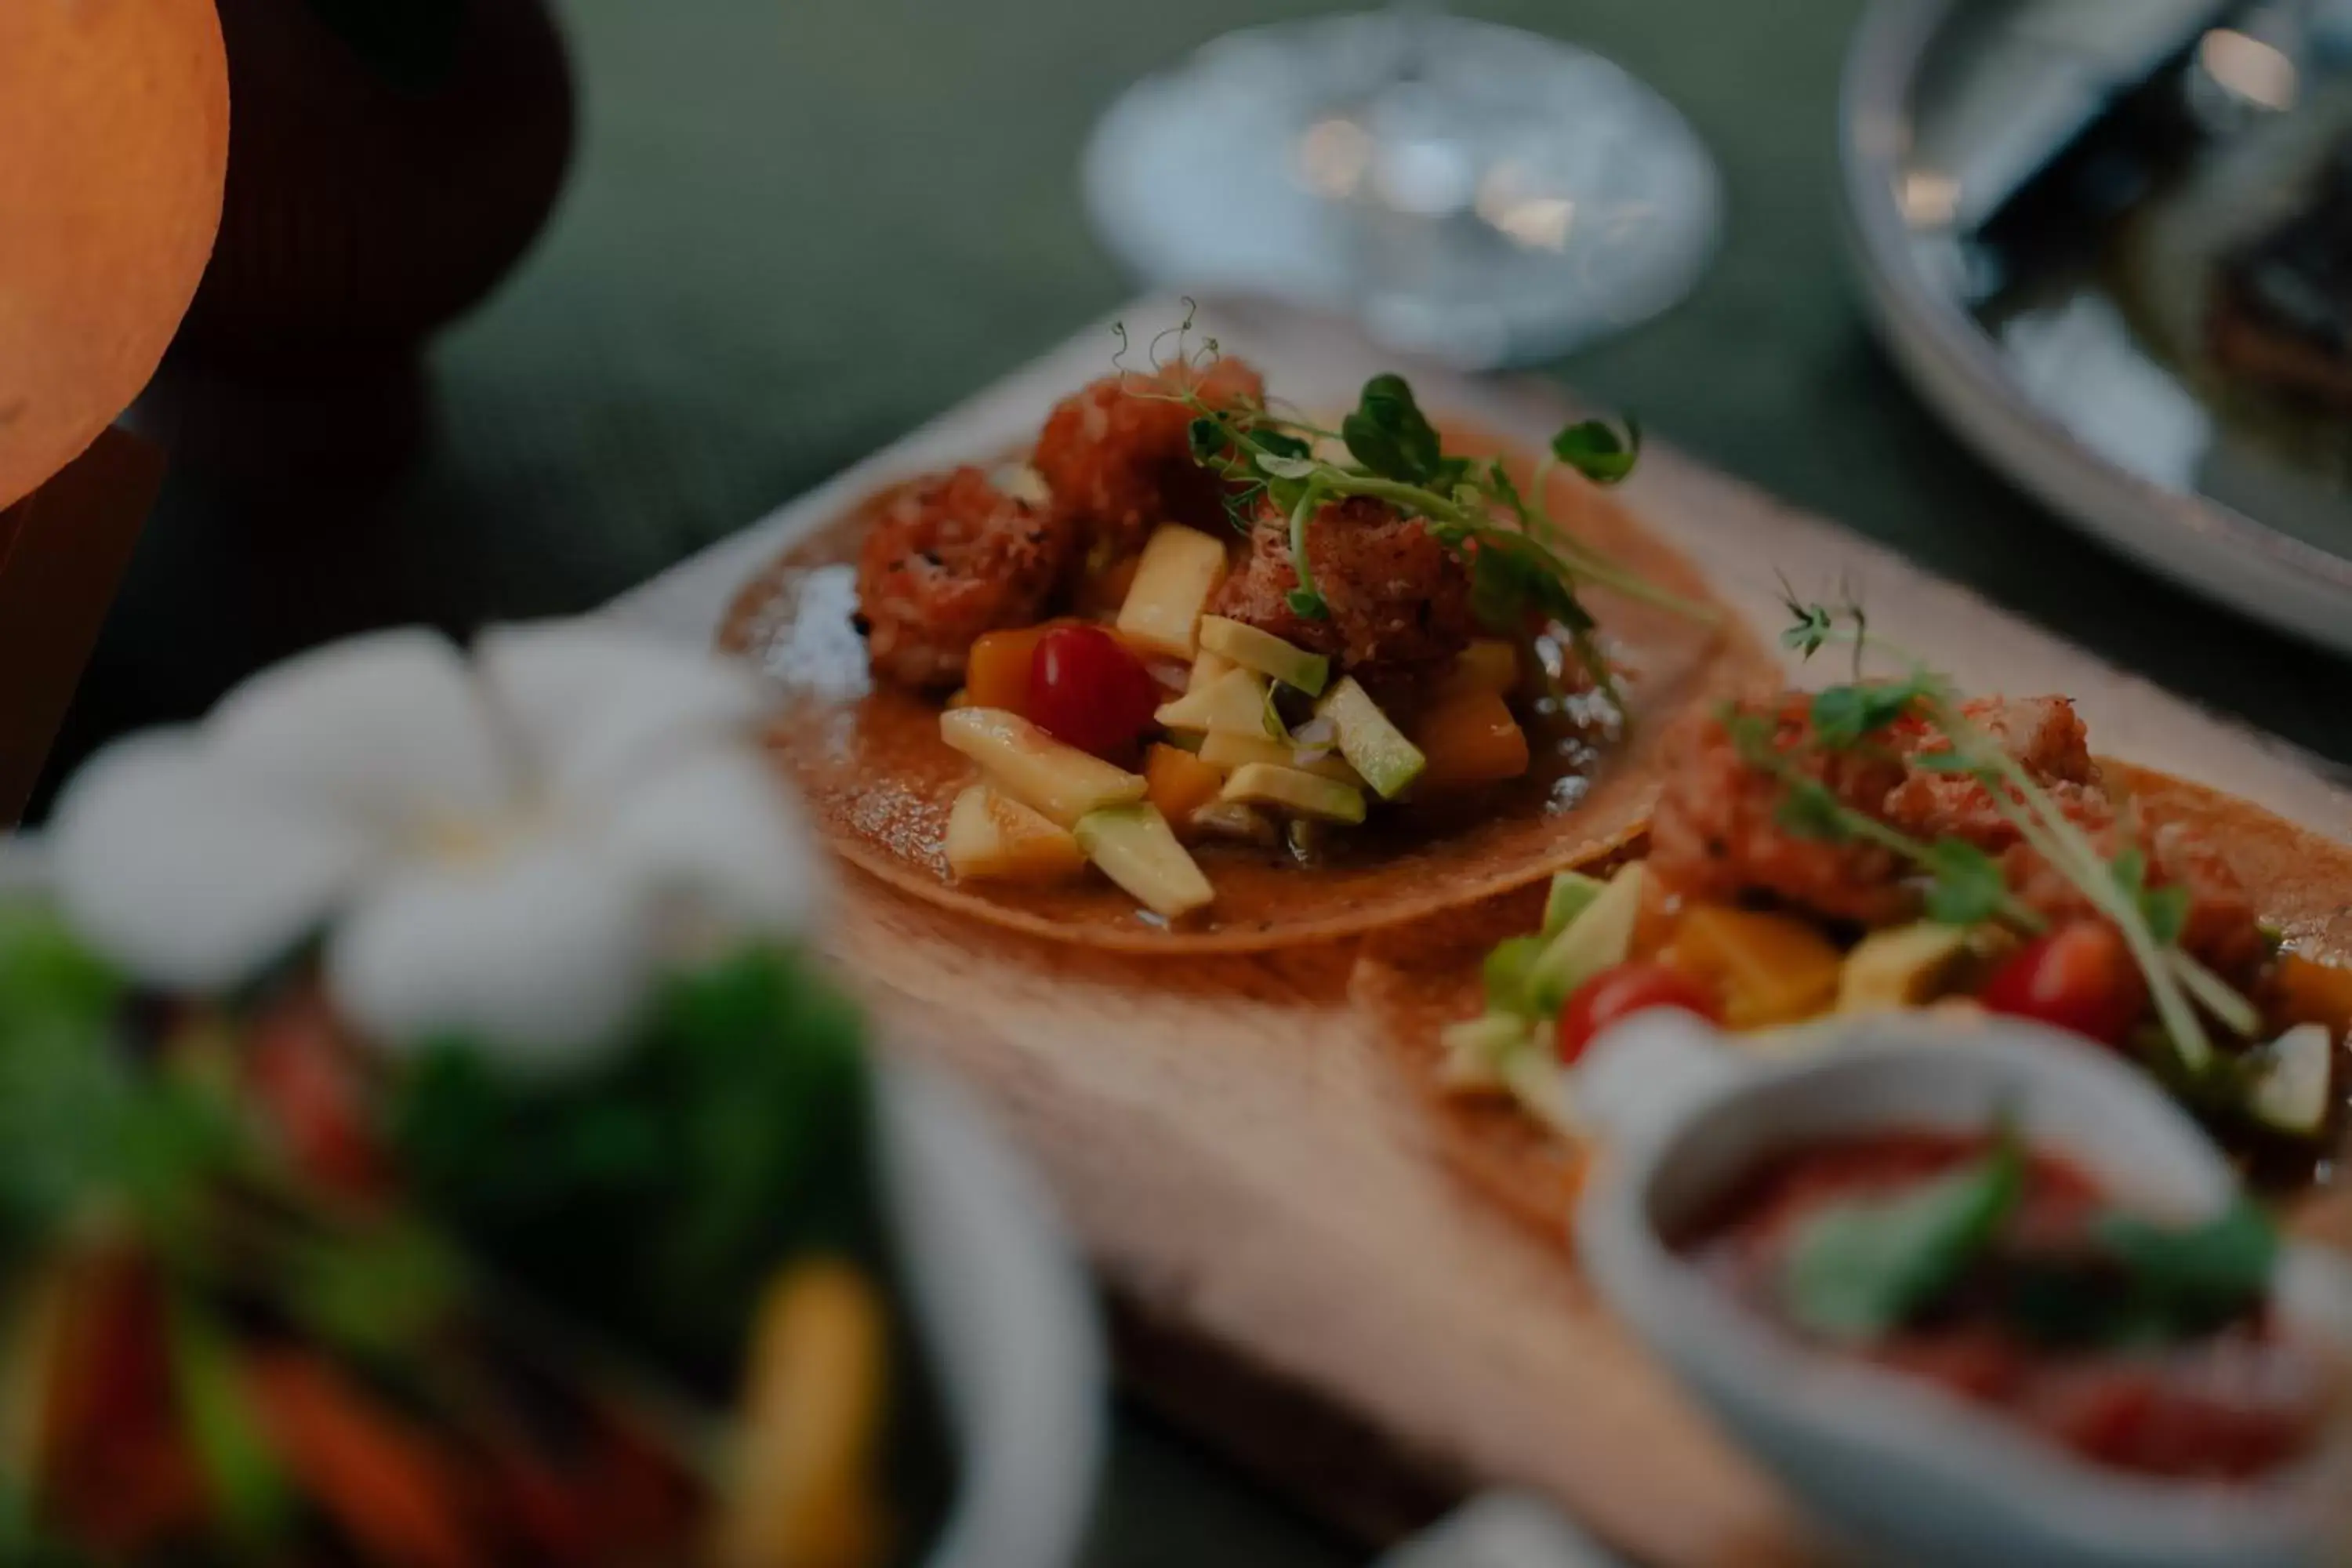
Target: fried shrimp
<point>946,559</point>
<point>1716,832</point>
<point>1118,458</point>
<point>1396,601</point>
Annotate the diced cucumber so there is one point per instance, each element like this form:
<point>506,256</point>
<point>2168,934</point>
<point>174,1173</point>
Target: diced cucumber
<point>1476,1049</point>
<point>1596,939</point>
<point>2295,1080</point>
<point>1135,848</point>
<point>1265,653</point>
<point>1307,795</point>
<point>1229,751</point>
<point>1373,746</point>
<point>1570,892</point>
<point>1034,768</point>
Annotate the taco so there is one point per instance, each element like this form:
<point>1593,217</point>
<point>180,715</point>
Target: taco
<point>1887,843</point>
<point>1092,695</point>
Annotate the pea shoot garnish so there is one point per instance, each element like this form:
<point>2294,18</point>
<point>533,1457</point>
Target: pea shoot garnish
<point>1964,885</point>
<point>1524,567</point>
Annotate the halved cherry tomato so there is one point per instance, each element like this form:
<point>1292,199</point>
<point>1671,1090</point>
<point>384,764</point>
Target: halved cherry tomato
<point>1629,988</point>
<point>1086,689</point>
<point>2079,977</point>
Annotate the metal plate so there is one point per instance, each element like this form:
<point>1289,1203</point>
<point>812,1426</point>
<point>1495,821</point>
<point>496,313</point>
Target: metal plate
<point>2039,249</point>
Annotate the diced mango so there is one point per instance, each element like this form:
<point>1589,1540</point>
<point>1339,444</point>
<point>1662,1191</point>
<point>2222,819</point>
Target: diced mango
<point>1489,664</point>
<point>1905,966</point>
<point>1180,569</point>
<point>1179,784</point>
<point>1770,969</point>
<point>1207,668</point>
<point>994,837</point>
<point>997,673</point>
<point>1035,769</point>
<point>1232,704</point>
<point>1102,594</point>
<point>1470,739</point>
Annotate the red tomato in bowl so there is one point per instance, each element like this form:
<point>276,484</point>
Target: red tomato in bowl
<point>1620,993</point>
<point>2080,977</point>
<point>1088,691</point>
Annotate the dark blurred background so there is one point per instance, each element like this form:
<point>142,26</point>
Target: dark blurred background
<point>790,230</point>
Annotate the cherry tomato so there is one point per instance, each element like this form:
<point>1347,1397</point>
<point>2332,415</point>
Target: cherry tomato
<point>2079,977</point>
<point>1086,689</point>
<point>1620,993</point>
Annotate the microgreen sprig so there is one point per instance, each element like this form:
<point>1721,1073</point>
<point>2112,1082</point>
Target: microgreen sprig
<point>1523,564</point>
<point>1852,716</point>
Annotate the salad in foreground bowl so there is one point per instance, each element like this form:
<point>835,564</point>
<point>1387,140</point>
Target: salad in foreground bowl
<point>419,1120</point>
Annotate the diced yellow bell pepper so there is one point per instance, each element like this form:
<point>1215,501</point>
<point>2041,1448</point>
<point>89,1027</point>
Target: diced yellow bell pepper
<point>2305,991</point>
<point>1770,969</point>
<point>1470,739</point>
<point>1180,784</point>
<point>1489,664</point>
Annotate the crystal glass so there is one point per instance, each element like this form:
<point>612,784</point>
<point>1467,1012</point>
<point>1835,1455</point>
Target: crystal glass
<point>1472,191</point>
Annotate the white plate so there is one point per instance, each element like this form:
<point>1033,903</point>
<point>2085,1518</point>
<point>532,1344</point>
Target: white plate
<point>2049,444</point>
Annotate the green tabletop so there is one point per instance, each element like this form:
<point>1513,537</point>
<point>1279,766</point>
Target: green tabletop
<point>796,228</point>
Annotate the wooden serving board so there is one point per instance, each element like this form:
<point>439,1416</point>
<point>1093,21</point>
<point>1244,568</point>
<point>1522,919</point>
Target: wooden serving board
<point>1251,1177</point>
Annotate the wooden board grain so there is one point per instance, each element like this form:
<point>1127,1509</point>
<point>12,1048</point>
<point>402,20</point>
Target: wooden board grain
<point>1250,1173</point>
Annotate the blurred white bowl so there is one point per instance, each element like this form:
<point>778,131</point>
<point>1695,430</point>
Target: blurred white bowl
<point>1007,1319</point>
<point>1900,1469</point>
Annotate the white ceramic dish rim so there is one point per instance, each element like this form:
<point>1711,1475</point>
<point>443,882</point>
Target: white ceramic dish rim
<point>1000,1304</point>
<point>2198,542</point>
<point>1688,1321</point>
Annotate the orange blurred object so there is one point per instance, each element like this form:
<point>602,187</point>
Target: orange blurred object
<point>114,114</point>
<point>997,673</point>
<point>1179,784</point>
<point>1469,738</point>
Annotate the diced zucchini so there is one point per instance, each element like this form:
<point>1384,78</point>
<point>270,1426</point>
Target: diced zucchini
<point>1136,848</point>
<point>1262,784</point>
<point>1375,748</point>
<point>1232,704</point>
<point>1265,653</point>
<point>1902,967</point>
<point>1598,938</point>
<point>2293,1083</point>
<point>1207,668</point>
<point>1230,752</point>
<point>994,837</point>
<point>1180,568</point>
<point>1570,892</point>
<point>1035,769</point>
